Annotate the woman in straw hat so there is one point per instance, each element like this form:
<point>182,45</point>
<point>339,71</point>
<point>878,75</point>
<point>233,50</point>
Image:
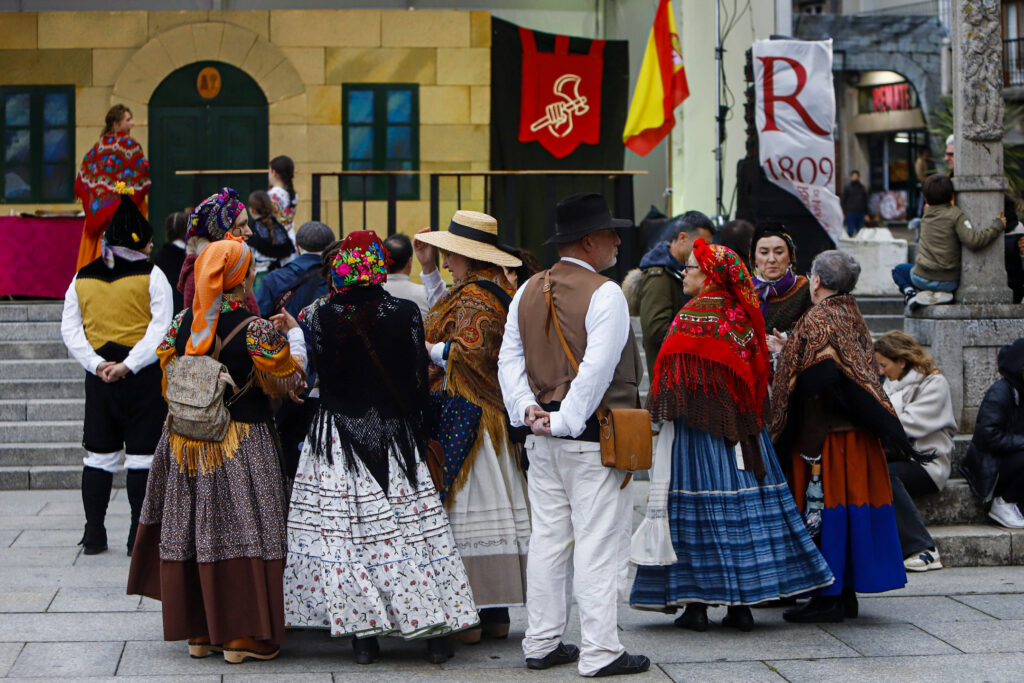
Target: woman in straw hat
<point>211,542</point>
<point>483,486</point>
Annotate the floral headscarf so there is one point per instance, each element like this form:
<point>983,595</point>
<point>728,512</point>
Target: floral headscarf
<point>360,260</point>
<point>215,216</point>
<point>713,367</point>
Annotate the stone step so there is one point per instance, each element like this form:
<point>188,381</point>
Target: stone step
<point>12,350</point>
<point>42,409</point>
<point>40,431</point>
<point>30,331</point>
<point>955,504</point>
<point>49,311</point>
<point>54,368</point>
<point>880,305</point>
<point>978,545</point>
<point>880,324</point>
<point>47,477</point>
<point>11,389</point>
<point>36,454</point>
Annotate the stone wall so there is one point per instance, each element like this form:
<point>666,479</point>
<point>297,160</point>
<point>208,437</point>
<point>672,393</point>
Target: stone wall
<point>300,58</point>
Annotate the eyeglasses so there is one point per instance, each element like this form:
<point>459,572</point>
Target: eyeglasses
<point>687,267</point>
<point>949,155</point>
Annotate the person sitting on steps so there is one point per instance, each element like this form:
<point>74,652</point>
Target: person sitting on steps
<point>945,229</point>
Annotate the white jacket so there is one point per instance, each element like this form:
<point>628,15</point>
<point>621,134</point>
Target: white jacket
<point>925,408</point>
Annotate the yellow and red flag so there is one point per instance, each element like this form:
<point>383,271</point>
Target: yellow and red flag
<point>660,87</point>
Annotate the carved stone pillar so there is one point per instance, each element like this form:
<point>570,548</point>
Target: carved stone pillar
<point>978,126</point>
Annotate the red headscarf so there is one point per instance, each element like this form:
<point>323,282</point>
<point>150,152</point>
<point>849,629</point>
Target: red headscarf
<point>715,351</point>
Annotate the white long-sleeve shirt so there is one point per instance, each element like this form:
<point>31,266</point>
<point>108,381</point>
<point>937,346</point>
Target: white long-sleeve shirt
<point>608,329</point>
<point>161,309</point>
<point>433,286</point>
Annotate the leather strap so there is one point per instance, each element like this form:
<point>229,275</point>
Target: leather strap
<point>236,393</point>
<point>602,408</point>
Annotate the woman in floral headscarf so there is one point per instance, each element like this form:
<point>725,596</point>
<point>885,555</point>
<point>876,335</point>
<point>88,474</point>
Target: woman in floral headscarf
<point>216,217</point>
<point>721,527</point>
<point>370,551</point>
<point>211,538</point>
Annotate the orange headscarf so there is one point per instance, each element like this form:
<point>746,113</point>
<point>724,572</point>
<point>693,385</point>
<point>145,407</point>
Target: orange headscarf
<point>222,266</point>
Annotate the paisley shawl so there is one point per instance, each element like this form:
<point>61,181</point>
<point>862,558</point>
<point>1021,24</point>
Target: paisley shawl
<point>473,320</point>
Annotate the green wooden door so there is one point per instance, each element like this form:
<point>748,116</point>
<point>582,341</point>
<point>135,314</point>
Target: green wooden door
<point>189,131</point>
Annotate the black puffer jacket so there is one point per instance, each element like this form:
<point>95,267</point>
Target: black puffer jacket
<point>999,430</point>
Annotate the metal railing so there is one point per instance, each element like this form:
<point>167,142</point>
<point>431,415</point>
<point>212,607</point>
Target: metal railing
<point>503,191</point>
<point>1013,62</point>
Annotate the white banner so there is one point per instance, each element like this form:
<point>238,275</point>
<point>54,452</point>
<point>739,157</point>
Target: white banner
<point>795,115</point>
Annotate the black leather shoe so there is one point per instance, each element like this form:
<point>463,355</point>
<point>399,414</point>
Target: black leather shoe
<point>817,610</point>
<point>563,654</point>
<point>438,651</point>
<point>739,618</point>
<point>365,649</point>
<point>626,664</point>
<point>772,604</point>
<point>851,609</point>
<point>694,618</point>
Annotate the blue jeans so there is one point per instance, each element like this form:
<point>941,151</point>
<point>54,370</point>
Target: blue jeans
<point>854,222</point>
<point>904,277</point>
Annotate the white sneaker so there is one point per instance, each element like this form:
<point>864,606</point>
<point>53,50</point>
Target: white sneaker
<point>1006,514</point>
<point>930,298</point>
<point>923,561</point>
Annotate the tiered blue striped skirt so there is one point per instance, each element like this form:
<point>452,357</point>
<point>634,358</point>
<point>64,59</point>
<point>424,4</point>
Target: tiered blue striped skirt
<point>738,542</point>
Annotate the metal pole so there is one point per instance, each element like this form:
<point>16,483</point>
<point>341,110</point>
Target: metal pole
<point>718,110</point>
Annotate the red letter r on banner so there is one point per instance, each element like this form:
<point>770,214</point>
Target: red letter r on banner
<point>770,96</point>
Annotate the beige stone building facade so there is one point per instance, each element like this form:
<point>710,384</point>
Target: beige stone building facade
<point>301,60</point>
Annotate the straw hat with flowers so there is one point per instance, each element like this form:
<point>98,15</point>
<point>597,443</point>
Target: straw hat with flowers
<point>474,235</point>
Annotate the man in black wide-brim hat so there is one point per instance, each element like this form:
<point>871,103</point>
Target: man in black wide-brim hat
<point>581,513</point>
<point>116,312</point>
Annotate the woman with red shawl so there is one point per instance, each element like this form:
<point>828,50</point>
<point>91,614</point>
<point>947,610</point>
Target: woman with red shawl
<point>722,527</point>
<point>116,157</point>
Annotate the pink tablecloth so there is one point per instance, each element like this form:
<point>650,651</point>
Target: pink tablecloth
<point>38,255</point>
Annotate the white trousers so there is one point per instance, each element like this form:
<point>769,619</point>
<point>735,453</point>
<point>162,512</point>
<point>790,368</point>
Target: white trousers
<point>108,461</point>
<point>581,524</point>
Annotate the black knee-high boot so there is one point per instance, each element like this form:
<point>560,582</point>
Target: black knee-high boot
<point>96,484</point>
<point>135,483</point>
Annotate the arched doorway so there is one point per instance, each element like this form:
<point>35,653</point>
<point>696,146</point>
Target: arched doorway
<point>205,115</point>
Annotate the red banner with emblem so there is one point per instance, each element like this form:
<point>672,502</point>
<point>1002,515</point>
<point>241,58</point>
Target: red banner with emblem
<point>560,102</point>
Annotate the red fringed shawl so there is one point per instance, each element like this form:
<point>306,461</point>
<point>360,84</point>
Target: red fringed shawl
<point>713,367</point>
<point>116,157</point>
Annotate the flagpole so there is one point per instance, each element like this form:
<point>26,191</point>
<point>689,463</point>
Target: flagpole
<point>718,110</point>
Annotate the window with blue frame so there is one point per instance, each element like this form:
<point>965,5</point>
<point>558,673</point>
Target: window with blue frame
<point>37,125</point>
<point>381,132</point>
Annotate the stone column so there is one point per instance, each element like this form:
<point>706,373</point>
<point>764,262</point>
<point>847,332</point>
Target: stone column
<point>964,337</point>
<point>978,127</point>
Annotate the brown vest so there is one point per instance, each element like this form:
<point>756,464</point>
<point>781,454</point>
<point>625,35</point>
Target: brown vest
<point>547,367</point>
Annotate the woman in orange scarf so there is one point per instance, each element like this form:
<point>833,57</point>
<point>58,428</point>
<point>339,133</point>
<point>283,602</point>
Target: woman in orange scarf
<point>211,541</point>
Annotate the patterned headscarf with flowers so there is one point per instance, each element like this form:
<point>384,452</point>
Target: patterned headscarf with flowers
<point>714,366</point>
<point>215,216</point>
<point>360,260</point>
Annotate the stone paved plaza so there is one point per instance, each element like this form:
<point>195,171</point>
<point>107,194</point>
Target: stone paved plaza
<point>65,616</point>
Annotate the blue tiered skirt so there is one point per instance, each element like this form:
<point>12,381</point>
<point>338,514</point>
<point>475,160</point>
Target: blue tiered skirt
<point>737,541</point>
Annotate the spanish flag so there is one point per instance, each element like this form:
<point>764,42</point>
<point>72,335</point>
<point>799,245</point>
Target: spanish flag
<point>660,87</point>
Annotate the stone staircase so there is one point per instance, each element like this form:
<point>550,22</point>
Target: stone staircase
<point>42,400</point>
<point>42,403</point>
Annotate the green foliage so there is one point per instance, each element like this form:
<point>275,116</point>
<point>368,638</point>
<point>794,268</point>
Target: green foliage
<point>1013,155</point>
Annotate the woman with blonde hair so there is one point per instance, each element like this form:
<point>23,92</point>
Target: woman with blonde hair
<point>919,393</point>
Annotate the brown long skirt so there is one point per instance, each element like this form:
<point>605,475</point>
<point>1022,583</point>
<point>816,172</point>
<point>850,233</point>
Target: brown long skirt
<point>211,544</point>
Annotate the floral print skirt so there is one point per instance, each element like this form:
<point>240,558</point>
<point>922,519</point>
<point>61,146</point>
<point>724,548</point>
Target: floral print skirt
<point>365,562</point>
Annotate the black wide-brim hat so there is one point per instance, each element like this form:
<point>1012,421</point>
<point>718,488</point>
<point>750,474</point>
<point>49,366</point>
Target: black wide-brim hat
<point>581,214</point>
